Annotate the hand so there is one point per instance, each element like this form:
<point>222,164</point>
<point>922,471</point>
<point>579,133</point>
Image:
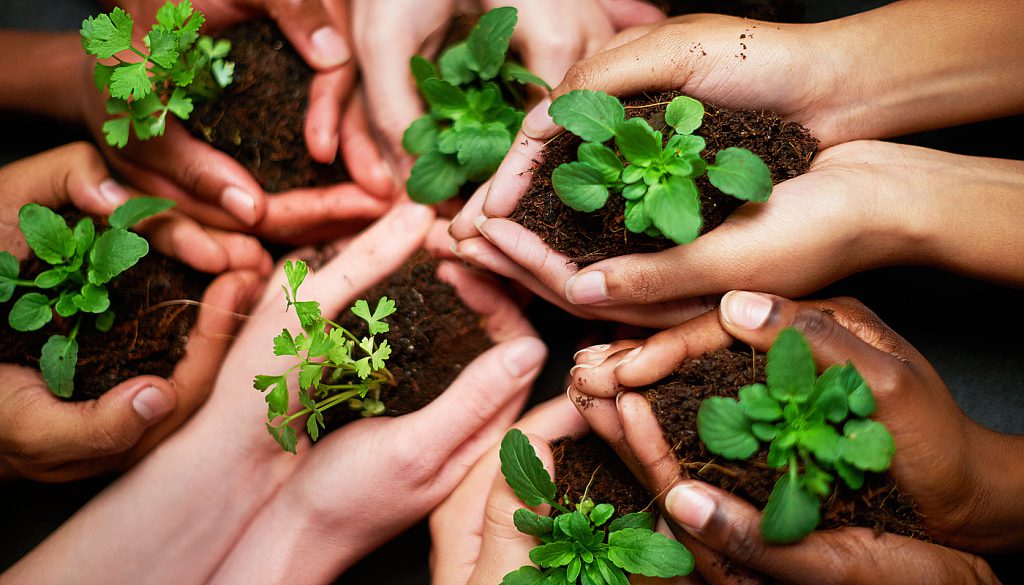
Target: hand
<point>45,438</point>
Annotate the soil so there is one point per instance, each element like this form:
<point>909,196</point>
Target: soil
<point>587,238</point>
<point>675,400</point>
<point>433,336</point>
<point>768,10</point>
<point>147,338</point>
<point>260,118</point>
<point>588,465</point>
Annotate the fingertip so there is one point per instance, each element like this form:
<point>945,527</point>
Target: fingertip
<point>746,311</point>
<point>587,288</point>
<point>199,249</point>
<point>153,402</point>
<point>243,204</point>
<point>330,49</point>
<point>523,356</point>
<point>690,505</point>
<point>538,123</point>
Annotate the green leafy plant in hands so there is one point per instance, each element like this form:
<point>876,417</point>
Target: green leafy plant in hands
<point>174,67</point>
<point>475,101</point>
<point>815,426</point>
<point>580,545</point>
<point>656,176</point>
<point>331,371</point>
<point>82,262</point>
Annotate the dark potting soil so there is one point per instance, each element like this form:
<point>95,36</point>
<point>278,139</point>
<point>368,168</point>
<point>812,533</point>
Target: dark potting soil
<point>589,466</point>
<point>587,238</point>
<point>878,505</point>
<point>148,336</point>
<point>433,336</point>
<point>260,118</point>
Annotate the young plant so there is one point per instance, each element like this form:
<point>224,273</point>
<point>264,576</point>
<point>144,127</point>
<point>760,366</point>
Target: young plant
<point>330,371</point>
<point>174,66</point>
<point>82,262</point>
<point>656,177</point>
<point>815,425</point>
<point>475,109</point>
<point>576,545</point>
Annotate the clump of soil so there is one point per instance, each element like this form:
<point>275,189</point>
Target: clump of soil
<point>260,118</point>
<point>675,401</point>
<point>588,465</point>
<point>586,238</point>
<point>148,336</point>
<point>433,336</point>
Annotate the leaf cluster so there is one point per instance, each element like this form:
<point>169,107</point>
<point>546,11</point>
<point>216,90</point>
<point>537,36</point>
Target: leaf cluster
<point>177,66</point>
<point>656,175</point>
<point>82,261</point>
<point>474,96</point>
<point>581,545</point>
<point>335,366</point>
<point>815,425</point>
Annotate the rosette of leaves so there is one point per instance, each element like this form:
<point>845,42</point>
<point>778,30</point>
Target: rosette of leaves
<point>82,262</point>
<point>814,425</point>
<point>336,367</point>
<point>581,545</point>
<point>174,66</point>
<point>475,101</point>
<point>655,174</point>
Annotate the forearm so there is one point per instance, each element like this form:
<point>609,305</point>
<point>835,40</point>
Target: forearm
<point>41,71</point>
<point>998,488</point>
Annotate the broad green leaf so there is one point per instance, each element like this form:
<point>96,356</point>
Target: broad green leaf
<point>105,320</point>
<point>601,513</point>
<point>790,370</point>
<point>867,445</point>
<point>93,299</point>
<point>163,47</point>
<point>434,178</point>
<point>106,35</point>
<point>685,114</point>
<point>85,234</point>
<point>765,432</point>
<point>482,148</point>
<point>791,513</point>
<point>446,142</point>
<point>572,571</point>
<point>422,69</point>
<point>380,355</point>
<point>8,276</point>
<point>66,306</point>
<point>512,71</point>
<point>284,344</point>
<point>758,404</point>
<point>643,552</point>
<point>116,131</point>
<point>295,271</point>
<point>523,470</point>
<point>554,554</point>
<point>113,252</point>
<point>679,166</point>
<point>527,575</point>
<point>135,210</point>
<point>781,447</point>
<point>861,400</point>
<point>309,316</point>
<point>742,174</point>
<point>310,374</point>
<point>421,136</point>
<point>531,523</point>
<point>46,233</point>
<point>488,41</point>
<point>445,99</point>
<point>101,78</point>
<point>602,158</point>
<point>851,475</point>
<point>637,219</point>
<point>822,440</point>
<point>687,146</point>
<point>592,115</point>
<point>580,186</point>
<point>180,104</point>
<point>830,401</point>
<point>638,142</point>
<point>633,520</point>
<point>576,526</point>
<point>285,437</point>
<point>130,81</point>
<point>30,312</point>
<point>57,363</point>
<point>674,207</point>
<point>612,575</point>
<point>455,64</point>
<point>817,481</point>
<point>50,278</point>
<point>724,428</point>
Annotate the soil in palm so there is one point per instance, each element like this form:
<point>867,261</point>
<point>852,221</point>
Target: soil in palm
<point>588,466</point>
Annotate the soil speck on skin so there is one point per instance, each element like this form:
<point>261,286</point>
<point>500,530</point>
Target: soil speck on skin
<point>589,461</point>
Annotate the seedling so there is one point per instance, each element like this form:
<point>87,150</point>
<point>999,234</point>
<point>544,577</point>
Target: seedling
<point>475,98</point>
<point>82,262</point>
<point>800,415</point>
<point>655,176</point>
<point>330,372</point>
<point>174,66</point>
<point>580,545</point>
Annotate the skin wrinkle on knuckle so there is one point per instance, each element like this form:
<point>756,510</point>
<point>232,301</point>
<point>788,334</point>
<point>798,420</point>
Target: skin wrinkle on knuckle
<point>741,540</point>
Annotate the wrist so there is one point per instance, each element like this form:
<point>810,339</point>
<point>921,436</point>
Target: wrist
<point>998,511</point>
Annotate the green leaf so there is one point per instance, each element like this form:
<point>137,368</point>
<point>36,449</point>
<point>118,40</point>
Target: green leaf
<point>638,142</point>
<point>861,400</point>
<point>512,71</point>
<point>30,312</point>
<point>137,209</point>
<point>445,99</point>
<point>93,299</point>
<point>422,69</point>
<point>482,148</point>
<point>687,146</point>
<point>277,398</point>
<point>456,65</point>
<point>284,344</point>
<point>527,575</point>
<point>106,35</point>
<point>310,374</point>
<point>674,207</point>
<point>295,271</point>
<point>163,47</point>
<point>285,437</point>
<point>531,523</point>
<point>765,432</point>
<point>601,513</point>
<point>830,400</point>
<point>50,278</point>
<point>113,252</point>
<point>319,344</point>
<point>180,104</point>
<point>8,276</point>
<point>66,306</point>
<point>580,186</point>
<point>592,115</point>
<point>633,520</point>
<point>105,320</point>
<point>434,178</point>
<point>643,552</point>
<point>57,363</point>
<point>576,526</point>
<point>421,136</point>
<point>385,308</point>
<point>851,475</point>
<point>380,355</point>
<point>309,316</point>
<point>223,72</point>
<point>742,174</point>
<point>46,233</point>
<point>602,158</point>
<point>685,114</point>
<point>867,445</point>
<point>758,404</point>
<point>822,440</point>
<point>116,131</point>
<point>101,77</point>
<point>790,370</point>
<point>172,15</point>
<point>523,471</point>
<point>638,220</point>
<point>84,234</point>
<point>130,81</point>
<point>488,41</point>
<point>611,574</point>
<point>725,429</point>
<point>312,427</point>
<point>791,513</point>
<point>553,554</point>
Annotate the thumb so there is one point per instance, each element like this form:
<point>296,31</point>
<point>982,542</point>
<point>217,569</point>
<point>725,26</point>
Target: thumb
<point>311,31</point>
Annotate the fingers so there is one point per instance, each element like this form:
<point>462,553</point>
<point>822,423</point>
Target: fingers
<point>510,181</point>
<point>327,93</point>
<point>629,13</point>
<point>313,215</point>
<point>362,155</point>
<point>314,33</point>
<point>204,249</point>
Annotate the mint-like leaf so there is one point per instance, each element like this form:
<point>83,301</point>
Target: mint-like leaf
<point>594,116</point>
<point>113,252</point>
<point>488,41</point>
<point>30,312</point>
<point>523,470</point>
<point>725,429</point>
<point>742,174</point>
<point>791,513</point>
<point>57,363</point>
<point>643,552</point>
<point>435,177</point>
<point>46,233</point>
<point>137,209</point>
<point>580,186</point>
<point>674,207</point>
<point>685,114</point>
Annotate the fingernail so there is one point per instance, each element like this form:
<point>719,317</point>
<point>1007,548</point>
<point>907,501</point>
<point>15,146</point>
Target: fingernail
<point>586,288</point>
<point>113,192</point>
<point>330,47</point>
<point>151,403</point>
<point>690,506</point>
<point>538,122</point>
<point>479,221</point>
<point>453,247</point>
<point>591,349</point>
<point>746,310</point>
<point>631,355</point>
<point>523,356</point>
<point>412,216</point>
<point>240,204</point>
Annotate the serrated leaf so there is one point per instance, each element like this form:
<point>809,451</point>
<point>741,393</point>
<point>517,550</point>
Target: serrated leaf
<point>130,81</point>
<point>790,370</point>
<point>435,177</point>
<point>421,136</point>
<point>57,363</point>
<point>822,440</point>
<point>830,401</point>
<point>93,299</point>
<point>512,71</point>
<point>488,40</point>
<point>867,445</point>
<point>602,158</point>
<point>173,15</point>
<point>592,115</point>
<point>223,72</point>
<point>601,513</point>
<point>673,205</point>
<point>638,142</point>
<point>30,312</point>
<point>295,271</point>
<point>611,574</point>
<point>46,233</point>
<point>685,114</point>
<point>163,47</point>
<point>791,513</point>
<point>742,174</point>
<point>312,428</point>
<point>180,104</point>
<point>113,252</point>
<point>481,149</point>
<point>310,375</point>
<point>758,404</point>
<point>529,522</point>
<point>643,552</point>
<point>137,209</point>
<point>277,398</point>
<point>101,78</point>
<point>553,554</point>
<point>309,316</point>
<point>320,344</point>
<point>8,276</point>
<point>633,520</point>
<point>523,470</point>
<point>765,432</point>
<point>106,35</point>
<point>116,132</point>
<point>725,429</point>
<point>285,437</point>
<point>84,234</point>
<point>527,575</point>
<point>284,344</point>
<point>444,99</point>
<point>455,65</point>
<point>385,308</point>
<point>687,146</point>
<point>380,355</point>
<point>422,69</point>
<point>580,186</point>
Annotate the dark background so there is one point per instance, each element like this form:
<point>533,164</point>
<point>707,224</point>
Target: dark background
<point>967,329</point>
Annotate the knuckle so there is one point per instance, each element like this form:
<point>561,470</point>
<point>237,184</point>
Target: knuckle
<point>817,325</point>
<point>412,465</point>
<point>743,543</point>
<point>579,76</point>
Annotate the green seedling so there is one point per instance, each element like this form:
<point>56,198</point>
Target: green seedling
<point>330,371</point>
<point>475,100</point>
<point>814,425</point>
<point>655,175</point>
<point>82,262</point>
<point>174,66</point>
<point>580,545</point>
